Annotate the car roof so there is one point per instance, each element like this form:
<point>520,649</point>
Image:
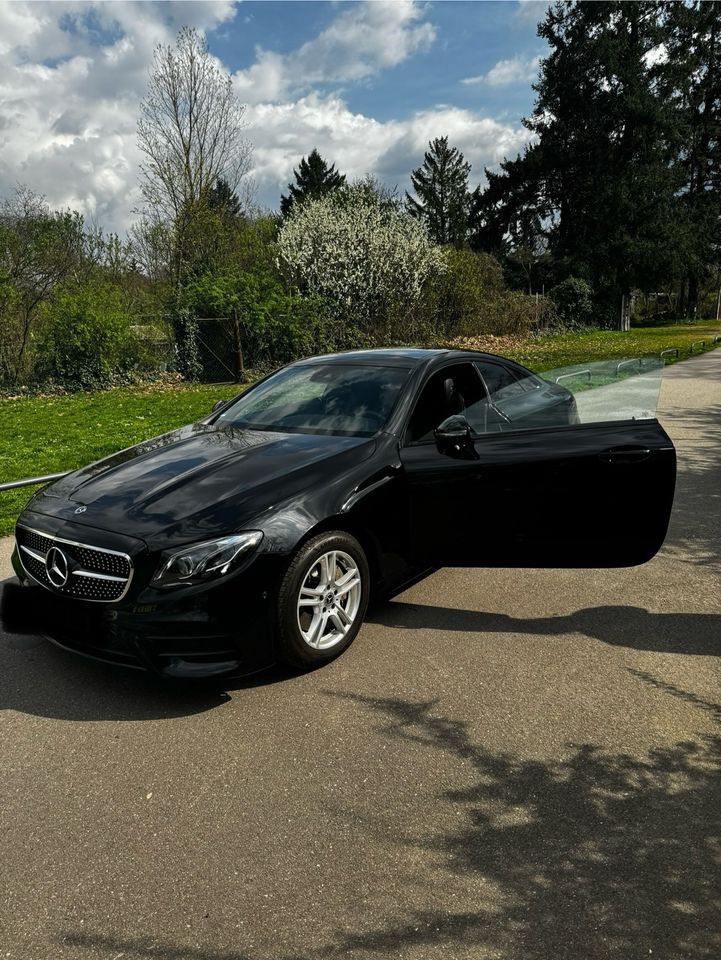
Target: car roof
<point>385,356</point>
<point>399,356</point>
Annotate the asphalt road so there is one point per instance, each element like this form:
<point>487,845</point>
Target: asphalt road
<point>507,764</point>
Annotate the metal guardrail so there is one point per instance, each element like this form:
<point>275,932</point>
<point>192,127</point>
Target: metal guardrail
<point>579,373</point>
<point>665,353</point>
<point>625,363</point>
<point>697,343</point>
<point>32,481</point>
<point>717,339</point>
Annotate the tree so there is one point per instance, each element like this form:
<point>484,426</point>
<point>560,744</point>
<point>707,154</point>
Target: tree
<point>598,183</point>
<point>39,250</point>
<point>367,258</point>
<point>313,178</point>
<point>190,133</point>
<point>512,210</point>
<point>441,186</point>
<point>225,202</point>
<point>689,77</point>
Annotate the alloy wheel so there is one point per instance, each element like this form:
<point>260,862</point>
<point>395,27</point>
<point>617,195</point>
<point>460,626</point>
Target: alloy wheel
<point>329,599</point>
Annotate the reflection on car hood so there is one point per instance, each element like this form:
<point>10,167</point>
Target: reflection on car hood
<point>197,482</point>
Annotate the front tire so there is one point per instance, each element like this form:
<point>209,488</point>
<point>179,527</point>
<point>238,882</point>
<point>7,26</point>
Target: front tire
<point>322,600</point>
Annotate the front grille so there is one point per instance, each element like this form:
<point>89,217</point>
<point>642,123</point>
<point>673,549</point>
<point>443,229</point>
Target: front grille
<point>92,573</point>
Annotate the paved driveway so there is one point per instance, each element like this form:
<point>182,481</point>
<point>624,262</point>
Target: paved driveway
<point>507,764</point>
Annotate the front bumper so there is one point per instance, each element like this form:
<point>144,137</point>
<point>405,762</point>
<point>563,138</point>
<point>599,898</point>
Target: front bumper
<point>223,630</point>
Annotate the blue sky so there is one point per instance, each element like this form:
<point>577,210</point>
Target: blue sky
<point>470,39</point>
<point>367,83</point>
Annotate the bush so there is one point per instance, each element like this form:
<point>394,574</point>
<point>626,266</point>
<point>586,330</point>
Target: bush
<point>473,299</point>
<point>363,256</point>
<point>87,340</point>
<point>187,354</point>
<point>573,298</point>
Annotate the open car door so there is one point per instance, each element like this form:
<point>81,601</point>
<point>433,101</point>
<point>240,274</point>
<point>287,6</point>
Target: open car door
<point>545,480</point>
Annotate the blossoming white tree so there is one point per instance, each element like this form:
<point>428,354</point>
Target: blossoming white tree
<point>356,249</point>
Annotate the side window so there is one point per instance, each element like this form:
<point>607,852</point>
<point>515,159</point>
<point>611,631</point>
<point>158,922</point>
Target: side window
<point>518,401</point>
<point>500,380</point>
<point>454,389</point>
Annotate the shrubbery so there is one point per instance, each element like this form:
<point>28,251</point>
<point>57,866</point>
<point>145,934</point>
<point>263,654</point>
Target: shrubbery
<point>473,298</point>
<point>349,268</point>
<point>88,340</point>
<point>366,258</point>
<point>573,298</point>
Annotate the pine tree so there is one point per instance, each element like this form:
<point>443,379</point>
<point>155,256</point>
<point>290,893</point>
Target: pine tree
<point>690,78</point>
<point>313,178</point>
<point>442,199</point>
<point>599,181</point>
<point>223,199</point>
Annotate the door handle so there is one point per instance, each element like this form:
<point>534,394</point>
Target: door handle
<point>624,454</point>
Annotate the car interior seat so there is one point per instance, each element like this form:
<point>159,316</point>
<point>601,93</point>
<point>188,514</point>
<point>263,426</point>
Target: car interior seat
<point>454,402</point>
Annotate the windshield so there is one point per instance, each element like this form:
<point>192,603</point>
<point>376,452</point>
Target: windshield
<point>340,399</point>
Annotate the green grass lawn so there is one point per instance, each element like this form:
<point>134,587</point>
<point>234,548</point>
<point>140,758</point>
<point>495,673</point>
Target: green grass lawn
<point>546,353</point>
<point>41,435</point>
<point>562,350</point>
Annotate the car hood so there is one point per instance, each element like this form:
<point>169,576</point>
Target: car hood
<point>198,482</point>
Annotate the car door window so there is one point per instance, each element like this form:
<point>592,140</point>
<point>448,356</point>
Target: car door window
<point>456,389</point>
<point>521,401</point>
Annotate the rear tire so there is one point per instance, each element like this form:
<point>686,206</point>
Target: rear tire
<point>322,600</point>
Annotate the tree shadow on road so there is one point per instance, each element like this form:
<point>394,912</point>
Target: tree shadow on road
<point>634,627</point>
<point>596,855</point>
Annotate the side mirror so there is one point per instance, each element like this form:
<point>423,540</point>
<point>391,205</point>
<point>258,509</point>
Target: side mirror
<point>453,437</point>
<point>217,405</point>
<point>454,432</point>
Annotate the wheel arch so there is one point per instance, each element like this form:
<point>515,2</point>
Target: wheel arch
<point>349,523</point>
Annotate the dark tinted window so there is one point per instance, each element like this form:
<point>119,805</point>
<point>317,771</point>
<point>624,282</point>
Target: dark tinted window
<point>500,379</point>
<point>454,389</point>
<point>333,398</point>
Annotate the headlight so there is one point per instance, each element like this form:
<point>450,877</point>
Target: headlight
<point>206,561</point>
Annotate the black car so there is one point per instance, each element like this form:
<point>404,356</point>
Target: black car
<point>259,533</point>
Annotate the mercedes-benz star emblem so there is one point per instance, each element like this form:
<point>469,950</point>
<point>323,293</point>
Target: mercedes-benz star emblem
<point>56,567</point>
<point>81,509</point>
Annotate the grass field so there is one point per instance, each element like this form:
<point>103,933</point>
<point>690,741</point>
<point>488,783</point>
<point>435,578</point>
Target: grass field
<point>41,435</point>
<point>562,350</point>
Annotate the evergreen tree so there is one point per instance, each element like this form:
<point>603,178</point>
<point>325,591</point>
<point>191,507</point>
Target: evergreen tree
<point>510,211</point>
<point>599,181</point>
<point>313,178</point>
<point>442,199</point>
<point>225,201</point>
<point>690,78</point>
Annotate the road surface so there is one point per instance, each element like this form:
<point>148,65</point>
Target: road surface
<point>517,765</point>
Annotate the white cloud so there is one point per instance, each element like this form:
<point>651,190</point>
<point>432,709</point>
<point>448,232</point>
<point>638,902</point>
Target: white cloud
<point>357,44</point>
<point>358,144</point>
<point>516,70</point>
<point>71,78</point>
<point>72,75</point>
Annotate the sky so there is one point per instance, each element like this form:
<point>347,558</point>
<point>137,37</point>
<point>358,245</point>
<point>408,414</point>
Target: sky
<point>366,83</point>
